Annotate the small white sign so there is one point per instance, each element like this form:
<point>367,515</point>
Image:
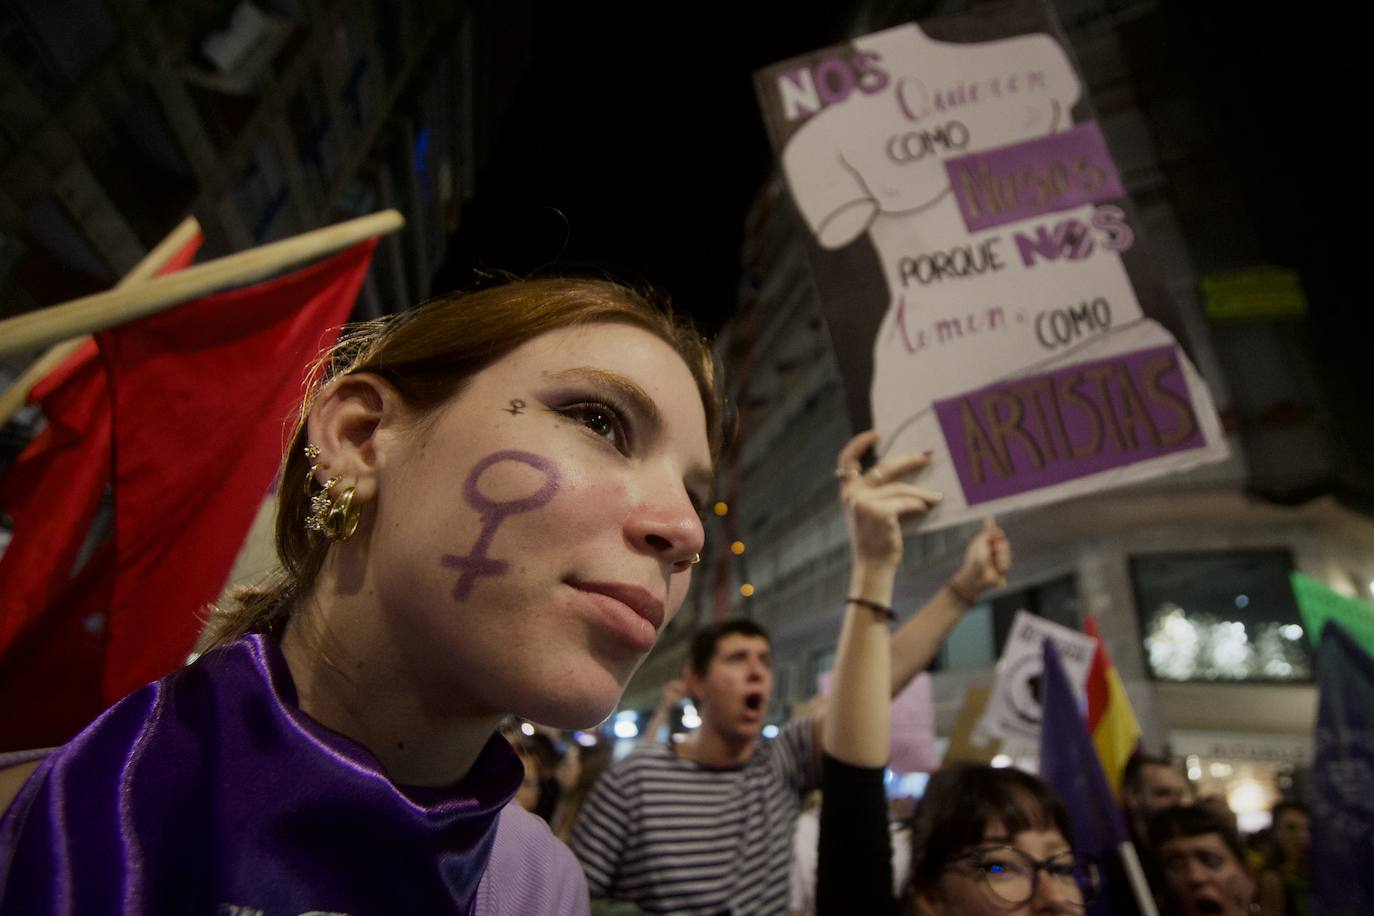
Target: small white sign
<point>1014,710</point>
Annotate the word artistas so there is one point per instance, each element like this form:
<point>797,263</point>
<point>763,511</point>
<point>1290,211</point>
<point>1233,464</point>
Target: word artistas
<point>1067,423</point>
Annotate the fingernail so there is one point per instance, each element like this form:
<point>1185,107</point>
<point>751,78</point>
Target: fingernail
<point>938,496</point>
<point>928,452</point>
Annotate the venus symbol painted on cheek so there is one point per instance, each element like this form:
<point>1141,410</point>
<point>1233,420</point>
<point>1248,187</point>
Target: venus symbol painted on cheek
<point>494,512</point>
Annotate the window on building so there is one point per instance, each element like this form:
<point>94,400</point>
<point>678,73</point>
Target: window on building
<point>977,640</point>
<point>1223,616</point>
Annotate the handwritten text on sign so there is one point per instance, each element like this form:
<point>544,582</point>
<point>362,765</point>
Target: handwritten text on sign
<point>1022,180</point>
<point>1042,430</point>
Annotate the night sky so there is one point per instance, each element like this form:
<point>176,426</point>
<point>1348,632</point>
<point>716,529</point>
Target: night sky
<point>632,144</point>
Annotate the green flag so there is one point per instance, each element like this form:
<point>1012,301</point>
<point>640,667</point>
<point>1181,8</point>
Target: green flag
<point>1319,603</point>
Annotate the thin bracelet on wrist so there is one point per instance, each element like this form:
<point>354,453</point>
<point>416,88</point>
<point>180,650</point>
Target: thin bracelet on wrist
<point>963,594</point>
<point>882,610</point>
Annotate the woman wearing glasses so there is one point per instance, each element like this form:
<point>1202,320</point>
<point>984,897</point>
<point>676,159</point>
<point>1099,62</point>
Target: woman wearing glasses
<point>984,840</point>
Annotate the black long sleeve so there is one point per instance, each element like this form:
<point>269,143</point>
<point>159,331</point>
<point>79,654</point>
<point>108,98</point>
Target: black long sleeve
<point>854,870</point>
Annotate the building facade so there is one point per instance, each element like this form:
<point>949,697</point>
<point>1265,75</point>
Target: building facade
<point>1187,576</point>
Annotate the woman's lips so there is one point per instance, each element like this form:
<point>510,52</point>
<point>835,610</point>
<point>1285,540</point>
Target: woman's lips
<point>633,612</point>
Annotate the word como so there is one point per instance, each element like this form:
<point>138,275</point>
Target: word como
<point>1059,327</point>
<point>915,145</point>
<point>829,81</point>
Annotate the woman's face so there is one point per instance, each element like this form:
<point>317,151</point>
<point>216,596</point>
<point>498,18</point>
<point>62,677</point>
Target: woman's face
<point>1292,834</point>
<point>981,885</point>
<point>533,536</point>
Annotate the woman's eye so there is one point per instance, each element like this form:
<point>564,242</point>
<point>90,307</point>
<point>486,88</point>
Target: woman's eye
<point>601,420</point>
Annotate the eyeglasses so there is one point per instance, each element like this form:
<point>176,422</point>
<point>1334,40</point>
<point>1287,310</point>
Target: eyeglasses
<point>1011,874</point>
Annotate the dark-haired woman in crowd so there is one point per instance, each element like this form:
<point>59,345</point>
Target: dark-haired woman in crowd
<point>489,506</point>
<point>1285,882</point>
<point>984,840</point>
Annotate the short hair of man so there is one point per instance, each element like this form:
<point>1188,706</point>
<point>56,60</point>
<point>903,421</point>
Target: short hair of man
<point>706,639</point>
<point>1134,776</point>
<point>1181,822</point>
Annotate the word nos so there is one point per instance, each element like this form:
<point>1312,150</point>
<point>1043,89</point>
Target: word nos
<point>1073,239</point>
<point>1042,430</point>
<point>1023,180</point>
<point>829,81</point>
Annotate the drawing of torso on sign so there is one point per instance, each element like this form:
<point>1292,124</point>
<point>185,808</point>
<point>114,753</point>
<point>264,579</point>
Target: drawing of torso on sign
<point>988,209</point>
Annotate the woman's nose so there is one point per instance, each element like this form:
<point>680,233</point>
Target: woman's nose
<point>1052,896</point>
<point>668,528</point>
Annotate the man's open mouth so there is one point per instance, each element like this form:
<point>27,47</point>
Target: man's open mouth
<point>754,701</point>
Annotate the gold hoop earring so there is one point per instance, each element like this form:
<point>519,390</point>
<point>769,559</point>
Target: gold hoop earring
<point>343,517</point>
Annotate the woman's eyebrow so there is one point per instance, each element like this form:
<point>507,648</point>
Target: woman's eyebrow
<point>637,397</point>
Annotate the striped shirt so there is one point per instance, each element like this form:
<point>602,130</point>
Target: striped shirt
<point>678,837</point>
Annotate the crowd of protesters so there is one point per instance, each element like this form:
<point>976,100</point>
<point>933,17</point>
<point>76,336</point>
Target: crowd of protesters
<point>720,820</point>
<point>333,747</point>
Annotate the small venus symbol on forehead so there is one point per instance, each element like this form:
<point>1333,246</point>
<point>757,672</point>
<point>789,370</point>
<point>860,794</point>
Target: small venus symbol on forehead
<point>516,407</point>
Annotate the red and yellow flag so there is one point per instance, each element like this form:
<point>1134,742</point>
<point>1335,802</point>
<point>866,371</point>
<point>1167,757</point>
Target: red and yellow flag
<point>1111,721</point>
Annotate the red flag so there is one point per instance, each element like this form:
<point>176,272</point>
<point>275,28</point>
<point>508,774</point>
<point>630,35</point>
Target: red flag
<point>200,395</point>
<point>53,490</point>
<point>52,614</point>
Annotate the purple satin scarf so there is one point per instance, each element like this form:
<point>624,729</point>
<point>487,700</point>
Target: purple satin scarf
<point>210,792</point>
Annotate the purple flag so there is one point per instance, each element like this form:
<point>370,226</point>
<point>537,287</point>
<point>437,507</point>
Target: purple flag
<point>1069,764</point>
<point>1343,778</point>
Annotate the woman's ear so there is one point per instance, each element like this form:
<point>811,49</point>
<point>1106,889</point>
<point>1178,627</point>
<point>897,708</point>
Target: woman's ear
<point>343,424</point>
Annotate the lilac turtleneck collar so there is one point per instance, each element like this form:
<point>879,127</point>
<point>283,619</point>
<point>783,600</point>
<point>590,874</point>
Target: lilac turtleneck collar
<point>210,792</point>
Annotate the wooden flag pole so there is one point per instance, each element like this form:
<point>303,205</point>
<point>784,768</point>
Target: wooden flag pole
<point>103,310</point>
<point>15,395</point>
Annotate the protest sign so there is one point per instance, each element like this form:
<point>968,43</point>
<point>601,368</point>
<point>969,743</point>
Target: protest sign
<point>965,745</point>
<point>1014,708</point>
<point>912,722</point>
<point>1319,603</point>
<point>976,257</point>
